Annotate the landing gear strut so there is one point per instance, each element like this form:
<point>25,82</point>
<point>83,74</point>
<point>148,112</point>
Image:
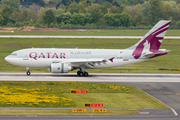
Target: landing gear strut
<point>28,72</point>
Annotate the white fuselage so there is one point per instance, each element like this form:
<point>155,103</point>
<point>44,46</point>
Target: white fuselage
<point>44,57</point>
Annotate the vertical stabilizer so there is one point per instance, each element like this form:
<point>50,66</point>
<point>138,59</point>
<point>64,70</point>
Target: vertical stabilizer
<point>152,40</point>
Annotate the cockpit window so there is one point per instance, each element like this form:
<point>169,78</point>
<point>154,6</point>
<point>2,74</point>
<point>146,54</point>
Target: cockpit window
<point>13,54</point>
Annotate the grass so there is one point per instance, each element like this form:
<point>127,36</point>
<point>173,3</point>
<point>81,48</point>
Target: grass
<point>117,100</point>
<point>139,32</point>
<point>62,112</point>
<point>164,64</point>
<point>50,94</point>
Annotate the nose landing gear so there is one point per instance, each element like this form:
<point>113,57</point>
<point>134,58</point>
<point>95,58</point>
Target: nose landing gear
<point>28,72</point>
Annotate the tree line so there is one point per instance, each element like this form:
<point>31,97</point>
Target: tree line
<point>87,13</point>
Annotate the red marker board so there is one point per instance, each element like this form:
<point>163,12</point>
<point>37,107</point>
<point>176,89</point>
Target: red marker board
<point>97,105</point>
<point>81,91</point>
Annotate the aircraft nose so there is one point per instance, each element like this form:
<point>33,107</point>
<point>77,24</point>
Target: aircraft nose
<point>7,58</point>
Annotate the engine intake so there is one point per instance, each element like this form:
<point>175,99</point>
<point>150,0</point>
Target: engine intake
<point>60,68</point>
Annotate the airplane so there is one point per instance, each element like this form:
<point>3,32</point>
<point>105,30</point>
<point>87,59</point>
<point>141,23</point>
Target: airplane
<point>64,60</point>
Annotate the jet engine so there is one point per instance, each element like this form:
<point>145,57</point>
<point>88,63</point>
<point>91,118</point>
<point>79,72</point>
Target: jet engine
<point>60,68</point>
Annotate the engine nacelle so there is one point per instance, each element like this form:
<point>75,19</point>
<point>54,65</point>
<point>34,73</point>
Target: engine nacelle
<point>60,68</point>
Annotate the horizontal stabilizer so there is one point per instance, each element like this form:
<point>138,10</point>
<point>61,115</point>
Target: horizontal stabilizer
<point>152,54</point>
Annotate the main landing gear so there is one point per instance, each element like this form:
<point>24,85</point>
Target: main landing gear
<point>82,72</point>
<point>28,72</point>
<point>79,73</point>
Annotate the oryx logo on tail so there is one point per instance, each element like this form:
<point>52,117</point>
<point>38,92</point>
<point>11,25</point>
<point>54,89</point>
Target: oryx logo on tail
<point>152,40</point>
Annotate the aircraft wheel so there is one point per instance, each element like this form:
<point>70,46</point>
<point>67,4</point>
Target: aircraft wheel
<point>81,74</point>
<point>86,74</point>
<point>78,73</point>
<point>28,73</point>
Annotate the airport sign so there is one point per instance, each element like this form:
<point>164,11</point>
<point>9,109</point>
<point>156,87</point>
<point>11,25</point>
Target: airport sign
<point>78,110</point>
<point>99,110</point>
<point>97,105</point>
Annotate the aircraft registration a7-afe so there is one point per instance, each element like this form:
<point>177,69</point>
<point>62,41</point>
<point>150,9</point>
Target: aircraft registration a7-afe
<point>64,60</point>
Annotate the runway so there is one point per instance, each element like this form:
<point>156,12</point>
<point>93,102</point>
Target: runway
<point>93,77</point>
<point>72,36</point>
<point>152,84</point>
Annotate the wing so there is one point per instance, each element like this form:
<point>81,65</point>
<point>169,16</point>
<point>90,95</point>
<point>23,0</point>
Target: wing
<point>87,63</point>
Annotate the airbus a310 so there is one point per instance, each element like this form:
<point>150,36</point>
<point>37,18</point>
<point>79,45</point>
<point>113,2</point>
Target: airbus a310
<point>64,60</point>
